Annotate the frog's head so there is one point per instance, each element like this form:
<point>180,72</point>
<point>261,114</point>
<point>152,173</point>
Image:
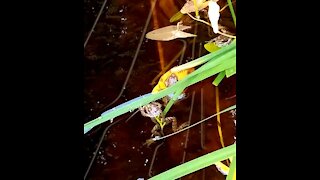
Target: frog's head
<point>172,79</point>
<point>154,109</point>
<point>151,110</point>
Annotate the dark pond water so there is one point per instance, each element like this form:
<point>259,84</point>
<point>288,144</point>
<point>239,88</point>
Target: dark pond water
<point>108,57</point>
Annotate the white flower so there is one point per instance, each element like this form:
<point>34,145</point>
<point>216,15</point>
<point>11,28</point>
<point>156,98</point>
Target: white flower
<point>214,15</point>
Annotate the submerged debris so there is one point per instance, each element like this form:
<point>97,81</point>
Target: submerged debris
<point>169,33</point>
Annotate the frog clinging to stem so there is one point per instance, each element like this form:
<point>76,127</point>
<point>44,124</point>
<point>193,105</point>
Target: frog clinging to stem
<point>154,111</point>
<point>169,79</point>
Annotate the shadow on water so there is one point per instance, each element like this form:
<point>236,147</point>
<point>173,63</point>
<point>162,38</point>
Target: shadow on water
<point>108,56</point>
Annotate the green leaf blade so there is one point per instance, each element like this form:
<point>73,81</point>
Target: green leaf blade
<point>219,78</point>
<point>231,71</point>
<point>211,47</point>
<point>232,169</point>
<point>176,17</point>
<point>197,164</point>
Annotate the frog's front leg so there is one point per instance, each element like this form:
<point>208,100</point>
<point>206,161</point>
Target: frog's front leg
<point>143,113</point>
<point>174,122</point>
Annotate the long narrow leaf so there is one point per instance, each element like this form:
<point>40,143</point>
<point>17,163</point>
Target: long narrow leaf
<point>217,62</point>
<point>210,72</point>
<point>232,169</point>
<point>145,99</point>
<point>232,12</point>
<point>219,78</point>
<point>172,100</point>
<point>176,17</point>
<point>222,168</point>
<point>198,163</point>
<point>206,58</point>
<point>231,71</point>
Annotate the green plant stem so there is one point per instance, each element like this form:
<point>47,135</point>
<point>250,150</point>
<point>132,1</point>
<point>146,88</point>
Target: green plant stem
<point>219,78</point>
<point>232,12</point>
<point>198,163</point>
<point>225,6</point>
<point>172,100</point>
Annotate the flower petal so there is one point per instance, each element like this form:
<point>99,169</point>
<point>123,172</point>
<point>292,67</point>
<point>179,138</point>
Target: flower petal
<point>214,15</point>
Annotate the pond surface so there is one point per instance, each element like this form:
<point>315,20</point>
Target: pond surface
<point>109,54</point>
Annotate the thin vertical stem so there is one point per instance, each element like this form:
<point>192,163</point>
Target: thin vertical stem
<point>187,135</point>
<point>196,8</point>
<point>218,118</point>
<point>202,128</point>
<point>232,12</point>
<point>153,158</point>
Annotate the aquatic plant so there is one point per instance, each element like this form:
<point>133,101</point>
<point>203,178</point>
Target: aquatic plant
<point>213,63</point>
<point>217,156</point>
<point>202,162</point>
<point>221,61</point>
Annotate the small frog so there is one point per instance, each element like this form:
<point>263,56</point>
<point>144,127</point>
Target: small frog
<point>168,79</point>
<point>171,80</point>
<point>222,40</point>
<point>154,111</point>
